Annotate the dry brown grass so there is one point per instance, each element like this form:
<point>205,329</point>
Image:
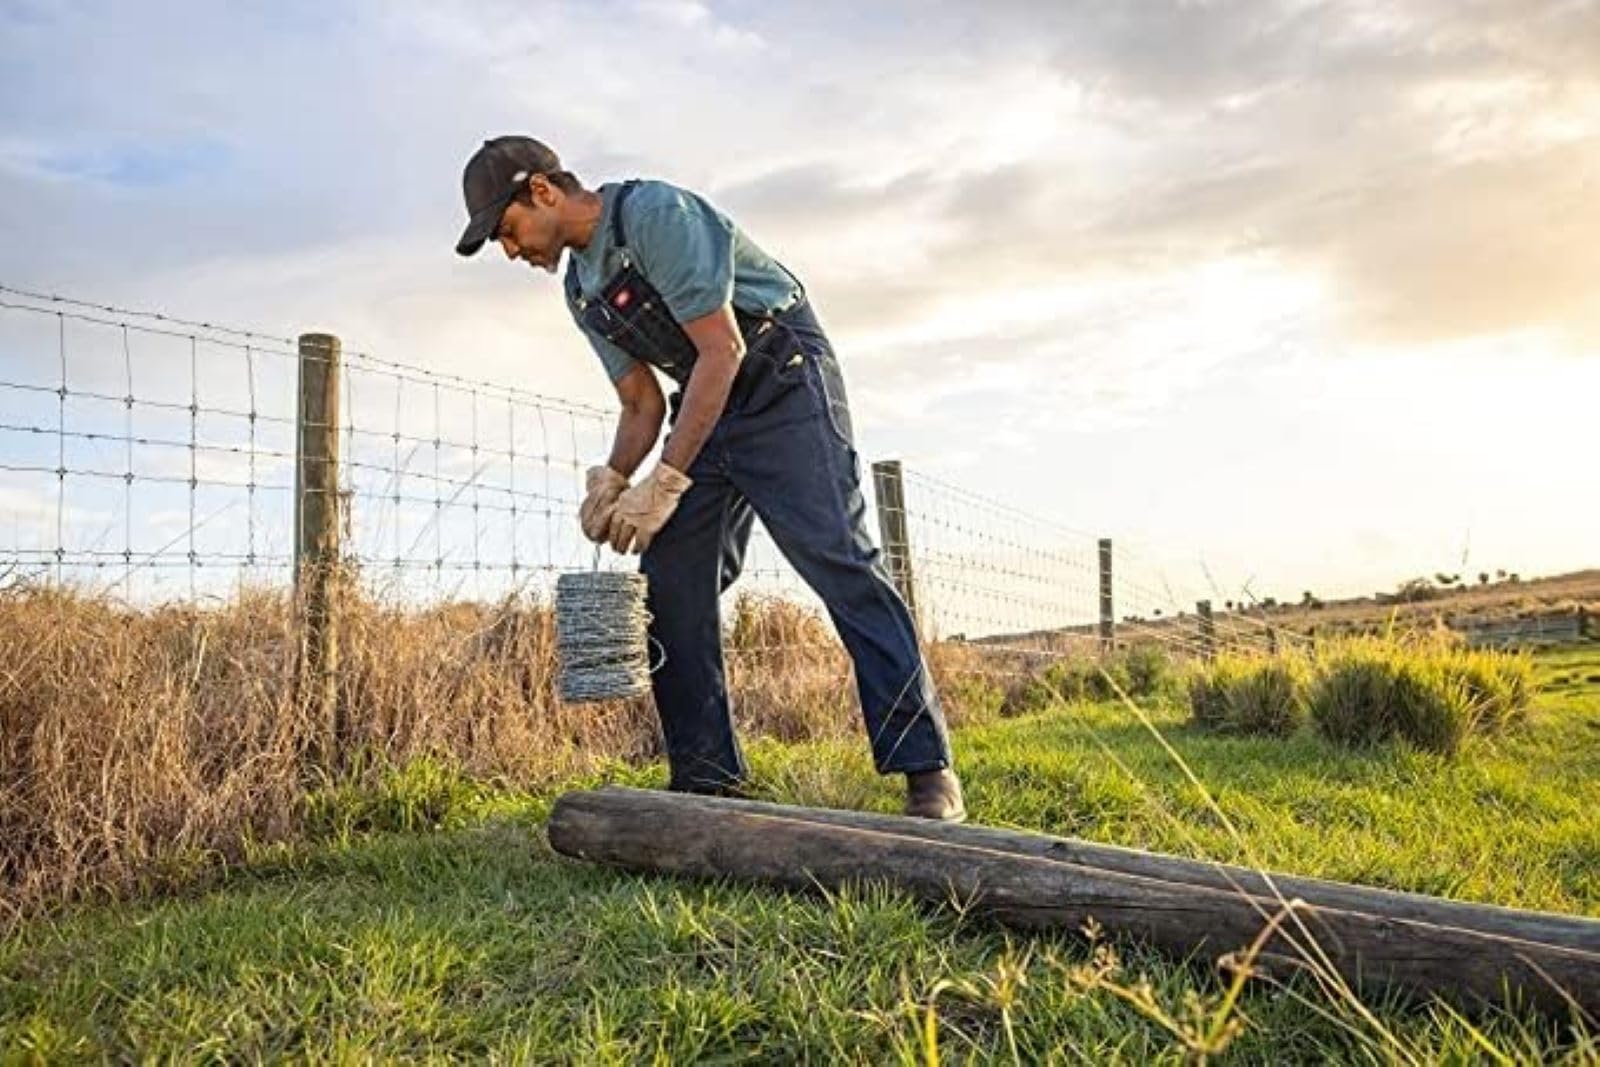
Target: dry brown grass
<point>139,748</point>
<point>1558,594</point>
<point>1563,594</point>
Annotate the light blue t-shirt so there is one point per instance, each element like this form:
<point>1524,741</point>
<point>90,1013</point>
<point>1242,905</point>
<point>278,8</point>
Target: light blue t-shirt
<point>694,255</point>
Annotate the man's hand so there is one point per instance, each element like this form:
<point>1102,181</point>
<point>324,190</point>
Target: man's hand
<point>641,511</point>
<point>603,485</point>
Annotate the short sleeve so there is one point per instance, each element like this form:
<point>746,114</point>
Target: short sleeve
<point>616,361</point>
<point>685,249</point>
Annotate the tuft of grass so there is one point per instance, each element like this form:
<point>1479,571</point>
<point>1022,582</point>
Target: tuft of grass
<point>1352,699</point>
<point>1212,686</point>
<point>1430,693</point>
<point>1145,671</point>
<point>1151,671</point>
<point>425,794</point>
<point>1433,708</point>
<point>1363,692</point>
<point>1249,694</point>
<point>1026,694</point>
<point>1496,686</point>
<point>1271,698</point>
<point>1012,683</point>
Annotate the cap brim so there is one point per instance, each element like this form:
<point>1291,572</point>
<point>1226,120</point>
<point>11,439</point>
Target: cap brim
<point>480,227</point>
<point>484,224</point>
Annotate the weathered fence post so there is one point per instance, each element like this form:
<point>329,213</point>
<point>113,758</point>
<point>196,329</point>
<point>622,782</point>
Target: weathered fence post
<point>888,482</point>
<point>1208,630</point>
<point>316,539</point>
<point>1108,618</point>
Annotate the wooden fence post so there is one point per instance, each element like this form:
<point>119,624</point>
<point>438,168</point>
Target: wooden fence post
<point>316,539</point>
<point>1108,618</point>
<point>1208,630</point>
<point>888,481</point>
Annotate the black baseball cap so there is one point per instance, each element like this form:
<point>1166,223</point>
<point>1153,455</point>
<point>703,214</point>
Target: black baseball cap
<point>493,176</point>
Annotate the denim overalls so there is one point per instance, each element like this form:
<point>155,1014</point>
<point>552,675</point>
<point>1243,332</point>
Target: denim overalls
<point>783,450</point>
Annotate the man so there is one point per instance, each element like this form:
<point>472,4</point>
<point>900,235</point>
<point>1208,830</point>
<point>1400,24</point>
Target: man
<point>662,282</point>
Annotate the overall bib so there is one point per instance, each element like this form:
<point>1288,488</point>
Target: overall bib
<point>782,450</point>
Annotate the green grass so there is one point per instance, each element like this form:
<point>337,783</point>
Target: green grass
<point>475,941</point>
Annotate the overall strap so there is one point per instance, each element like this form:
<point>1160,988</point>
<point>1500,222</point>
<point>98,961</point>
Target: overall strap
<point>574,290</point>
<point>618,240</point>
<point>619,237</point>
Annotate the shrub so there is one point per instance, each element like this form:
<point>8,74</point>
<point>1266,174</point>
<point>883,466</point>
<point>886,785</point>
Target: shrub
<point>1428,692</point>
<point>1270,698</point>
<point>1025,694</point>
<point>1211,689</point>
<point>1352,700</point>
<point>1150,670</point>
<point>975,697</point>
<point>1208,697</point>
<point>1517,673</point>
<point>1249,694</point>
<point>1107,679</point>
<point>1140,672</point>
<point>1498,686</point>
<point>1070,678</point>
<point>1432,707</point>
<point>1143,671</point>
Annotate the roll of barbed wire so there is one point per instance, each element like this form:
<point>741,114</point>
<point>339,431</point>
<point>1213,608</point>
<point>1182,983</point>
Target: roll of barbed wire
<point>601,645</point>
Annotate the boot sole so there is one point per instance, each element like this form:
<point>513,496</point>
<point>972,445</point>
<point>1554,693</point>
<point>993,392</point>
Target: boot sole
<point>958,817</point>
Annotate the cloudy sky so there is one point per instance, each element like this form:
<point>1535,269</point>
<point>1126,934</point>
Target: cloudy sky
<point>1303,292</point>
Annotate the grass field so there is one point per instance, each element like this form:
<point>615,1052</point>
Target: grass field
<point>429,919</point>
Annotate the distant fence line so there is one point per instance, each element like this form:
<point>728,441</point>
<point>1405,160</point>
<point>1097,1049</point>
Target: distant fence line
<point>1552,628</point>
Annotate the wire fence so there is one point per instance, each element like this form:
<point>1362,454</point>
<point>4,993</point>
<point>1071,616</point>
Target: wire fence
<point>154,458</point>
<point>995,577</point>
<point>140,452</point>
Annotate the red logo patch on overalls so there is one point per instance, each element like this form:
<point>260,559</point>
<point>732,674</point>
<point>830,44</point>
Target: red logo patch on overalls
<point>622,298</point>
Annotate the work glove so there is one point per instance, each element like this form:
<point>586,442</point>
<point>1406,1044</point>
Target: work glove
<point>603,485</point>
<point>641,511</point>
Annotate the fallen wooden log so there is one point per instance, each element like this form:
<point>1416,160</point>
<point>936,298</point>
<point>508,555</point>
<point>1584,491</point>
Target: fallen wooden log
<point>1565,931</point>
<point>659,832</point>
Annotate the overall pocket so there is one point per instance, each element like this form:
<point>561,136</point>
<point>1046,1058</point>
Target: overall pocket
<point>631,315</point>
<point>772,378</point>
<point>835,404</point>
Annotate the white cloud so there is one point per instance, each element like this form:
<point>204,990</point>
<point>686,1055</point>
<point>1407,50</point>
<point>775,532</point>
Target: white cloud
<point>697,17</point>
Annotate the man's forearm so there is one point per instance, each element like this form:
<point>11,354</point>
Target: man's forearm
<point>718,348</point>
<point>703,400</point>
<point>637,429</point>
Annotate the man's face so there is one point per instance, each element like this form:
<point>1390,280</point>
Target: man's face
<point>531,230</point>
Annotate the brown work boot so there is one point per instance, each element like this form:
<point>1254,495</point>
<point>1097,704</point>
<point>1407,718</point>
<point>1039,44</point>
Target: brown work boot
<point>737,789</point>
<point>935,795</point>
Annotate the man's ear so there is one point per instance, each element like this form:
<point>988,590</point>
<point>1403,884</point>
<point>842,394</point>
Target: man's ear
<point>541,189</point>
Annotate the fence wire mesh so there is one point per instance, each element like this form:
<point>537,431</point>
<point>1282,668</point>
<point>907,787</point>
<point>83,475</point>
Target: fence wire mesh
<point>153,458</point>
<point>141,455</point>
